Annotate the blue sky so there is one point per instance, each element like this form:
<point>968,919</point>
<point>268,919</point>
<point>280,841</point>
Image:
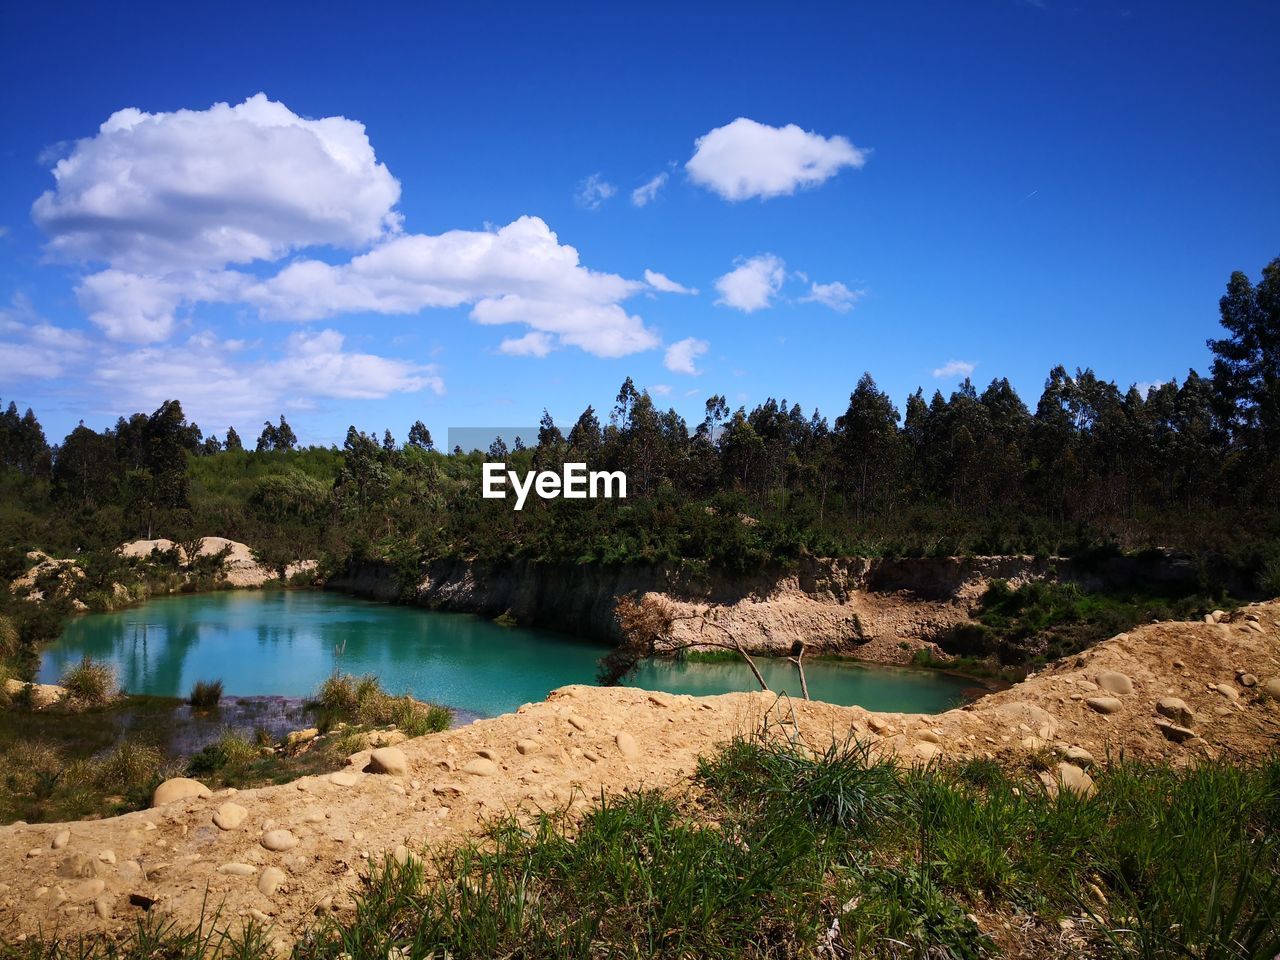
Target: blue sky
<point>996,183</point>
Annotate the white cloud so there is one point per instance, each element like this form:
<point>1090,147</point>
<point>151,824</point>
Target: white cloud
<point>753,284</point>
<point>156,192</point>
<point>682,356</point>
<point>955,368</point>
<point>32,348</point>
<point>746,159</point>
<point>593,191</point>
<point>312,366</point>
<point>1147,386</point>
<point>173,202</point>
<point>535,343</point>
<point>519,273</point>
<point>661,389</point>
<point>644,194</point>
<point>664,284</point>
<point>834,295</point>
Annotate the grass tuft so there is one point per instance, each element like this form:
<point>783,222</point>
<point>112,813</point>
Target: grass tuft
<point>205,694</point>
<point>90,682</point>
<point>361,701</point>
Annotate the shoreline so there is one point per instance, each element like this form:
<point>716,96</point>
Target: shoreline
<point>567,751</point>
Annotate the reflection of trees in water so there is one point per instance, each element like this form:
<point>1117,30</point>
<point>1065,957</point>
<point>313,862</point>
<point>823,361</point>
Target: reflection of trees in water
<point>153,656</point>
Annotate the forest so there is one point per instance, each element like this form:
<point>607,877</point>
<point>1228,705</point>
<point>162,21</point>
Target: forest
<point>1192,465</point>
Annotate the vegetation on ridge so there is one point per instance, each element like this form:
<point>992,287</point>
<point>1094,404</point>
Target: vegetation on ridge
<point>777,852</point>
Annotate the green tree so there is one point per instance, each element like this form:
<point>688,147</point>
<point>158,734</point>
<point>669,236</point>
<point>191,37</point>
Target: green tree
<point>1246,365</point>
<point>420,436</point>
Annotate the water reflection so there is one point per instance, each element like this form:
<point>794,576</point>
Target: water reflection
<point>264,643</point>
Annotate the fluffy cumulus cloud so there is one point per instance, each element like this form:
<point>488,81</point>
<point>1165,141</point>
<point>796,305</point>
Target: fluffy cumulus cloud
<point>955,368</point>
<point>593,191</point>
<point>232,386</point>
<point>682,356</point>
<point>644,194</point>
<point>176,204</point>
<point>664,284</point>
<point>155,192</point>
<point>745,159</point>
<point>753,284</point>
<point>535,343</point>
<point>519,274</point>
<point>834,295</point>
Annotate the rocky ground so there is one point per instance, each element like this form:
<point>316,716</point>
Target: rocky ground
<point>1179,691</point>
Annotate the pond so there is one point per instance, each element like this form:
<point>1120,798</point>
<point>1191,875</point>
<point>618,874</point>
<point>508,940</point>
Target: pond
<point>286,642</point>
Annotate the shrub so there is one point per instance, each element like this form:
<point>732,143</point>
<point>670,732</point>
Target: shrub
<point>232,750</point>
<point>205,694</point>
<point>343,698</point>
<point>91,682</point>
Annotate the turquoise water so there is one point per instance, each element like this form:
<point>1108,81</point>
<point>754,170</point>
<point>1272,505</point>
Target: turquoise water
<point>288,642</point>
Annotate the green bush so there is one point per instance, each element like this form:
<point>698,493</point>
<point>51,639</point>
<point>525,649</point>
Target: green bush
<point>343,698</point>
<point>205,694</point>
<point>90,682</point>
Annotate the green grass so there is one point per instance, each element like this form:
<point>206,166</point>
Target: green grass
<point>361,701</point>
<point>776,852</point>
<point>90,682</point>
<point>205,694</point>
<point>1041,621</point>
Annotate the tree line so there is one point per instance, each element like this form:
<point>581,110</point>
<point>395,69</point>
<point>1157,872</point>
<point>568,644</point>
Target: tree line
<point>1192,463</point>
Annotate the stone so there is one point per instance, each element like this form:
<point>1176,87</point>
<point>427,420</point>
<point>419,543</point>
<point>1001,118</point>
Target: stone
<point>279,841</point>
<point>61,839</point>
<point>1075,780</point>
<point>1248,680</point>
<point>229,816</point>
<point>88,889</point>
<point>179,788</point>
<point>390,761</point>
<point>627,745</point>
<point>1218,616</point>
<point>301,736</point>
<point>527,747</point>
<point>1176,710</point>
<point>1255,627</point>
<point>928,736</point>
<point>578,723</point>
<point>489,754</point>
<point>345,778</point>
<point>1272,688</point>
<point>107,856</point>
<point>105,907</point>
<point>129,871</point>
<point>1227,691</point>
<point>1174,732</point>
<point>77,865</point>
<point>927,751</point>
<point>237,870</point>
<point>270,881</point>
<point>1087,685</point>
<point>1105,704</point>
<point>876,724</point>
<point>480,767</point>
<point>1078,756</point>
<point>1113,682</point>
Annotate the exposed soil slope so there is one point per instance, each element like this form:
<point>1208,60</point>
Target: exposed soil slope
<point>1182,691</point>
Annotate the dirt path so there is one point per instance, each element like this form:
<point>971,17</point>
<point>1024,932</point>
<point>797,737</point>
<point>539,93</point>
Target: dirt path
<point>283,854</point>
